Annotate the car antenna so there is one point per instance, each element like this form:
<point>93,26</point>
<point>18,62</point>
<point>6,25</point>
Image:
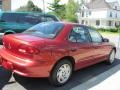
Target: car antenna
<point>44,10</point>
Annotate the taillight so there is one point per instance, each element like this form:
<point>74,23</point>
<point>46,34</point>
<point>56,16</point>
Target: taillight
<point>28,49</point>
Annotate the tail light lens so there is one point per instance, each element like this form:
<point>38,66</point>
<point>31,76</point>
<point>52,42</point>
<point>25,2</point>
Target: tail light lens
<point>28,49</point>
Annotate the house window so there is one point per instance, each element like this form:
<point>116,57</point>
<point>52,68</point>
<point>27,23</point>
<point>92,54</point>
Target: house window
<point>116,24</point>
<point>87,14</point>
<point>82,22</point>
<point>97,22</point>
<point>110,14</point>
<point>109,23</point>
<point>83,7</point>
<point>82,13</point>
<point>86,22</point>
<point>90,13</point>
<point>115,7</point>
<point>116,15</point>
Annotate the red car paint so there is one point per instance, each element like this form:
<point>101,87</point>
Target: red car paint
<point>44,53</point>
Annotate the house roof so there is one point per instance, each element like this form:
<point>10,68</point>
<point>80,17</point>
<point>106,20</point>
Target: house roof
<point>98,4</point>
<point>115,3</point>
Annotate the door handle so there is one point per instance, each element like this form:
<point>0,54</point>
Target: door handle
<point>73,49</point>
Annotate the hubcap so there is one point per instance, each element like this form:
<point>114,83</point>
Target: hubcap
<point>112,57</point>
<point>63,73</point>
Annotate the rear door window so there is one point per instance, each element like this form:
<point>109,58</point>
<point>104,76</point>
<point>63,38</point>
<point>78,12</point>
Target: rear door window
<point>30,19</point>
<point>78,34</point>
<point>48,18</point>
<point>9,17</point>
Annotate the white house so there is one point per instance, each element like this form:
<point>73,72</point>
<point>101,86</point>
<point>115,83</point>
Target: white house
<point>100,14</point>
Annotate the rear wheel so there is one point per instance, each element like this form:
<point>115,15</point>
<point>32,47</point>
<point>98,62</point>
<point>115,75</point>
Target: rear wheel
<point>111,58</point>
<point>8,33</point>
<point>61,73</point>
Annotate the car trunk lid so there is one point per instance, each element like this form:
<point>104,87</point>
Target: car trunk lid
<point>15,42</point>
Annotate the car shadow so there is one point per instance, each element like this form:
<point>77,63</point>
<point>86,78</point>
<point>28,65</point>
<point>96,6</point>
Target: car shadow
<point>77,78</point>
<point>5,76</point>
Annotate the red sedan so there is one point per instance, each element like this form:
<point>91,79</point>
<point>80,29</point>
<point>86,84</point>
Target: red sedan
<point>55,50</point>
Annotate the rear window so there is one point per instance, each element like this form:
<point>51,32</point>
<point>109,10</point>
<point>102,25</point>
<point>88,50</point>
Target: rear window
<point>26,18</point>
<point>45,30</point>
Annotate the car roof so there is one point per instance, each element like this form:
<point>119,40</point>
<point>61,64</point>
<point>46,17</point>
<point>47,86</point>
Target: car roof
<point>33,13</point>
<point>70,23</point>
<point>46,14</point>
<point>66,24</point>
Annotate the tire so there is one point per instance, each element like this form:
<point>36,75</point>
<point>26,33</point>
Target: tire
<point>111,57</point>
<point>59,75</point>
<point>8,33</point>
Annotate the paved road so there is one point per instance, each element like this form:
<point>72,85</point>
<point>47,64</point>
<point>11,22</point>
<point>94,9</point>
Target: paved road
<point>96,77</point>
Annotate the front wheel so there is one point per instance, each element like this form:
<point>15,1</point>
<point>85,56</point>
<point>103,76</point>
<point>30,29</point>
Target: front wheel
<point>111,58</point>
<point>61,73</point>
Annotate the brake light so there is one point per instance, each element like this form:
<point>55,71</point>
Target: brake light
<point>28,49</point>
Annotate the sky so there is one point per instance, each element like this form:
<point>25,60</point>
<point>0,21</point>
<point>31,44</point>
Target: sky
<point>17,3</point>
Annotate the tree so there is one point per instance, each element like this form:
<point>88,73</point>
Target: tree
<point>30,7</point>
<point>57,9</point>
<point>71,10</point>
<point>82,1</point>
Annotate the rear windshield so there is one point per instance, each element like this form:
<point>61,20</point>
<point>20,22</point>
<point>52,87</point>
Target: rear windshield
<point>26,18</point>
<point>45,30</point>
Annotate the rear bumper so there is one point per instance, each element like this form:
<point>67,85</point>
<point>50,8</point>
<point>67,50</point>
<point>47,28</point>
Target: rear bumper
<point>24,67</point>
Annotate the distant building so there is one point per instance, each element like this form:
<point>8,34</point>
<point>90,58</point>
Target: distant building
<point>5,5</point>
<point>100,14</point>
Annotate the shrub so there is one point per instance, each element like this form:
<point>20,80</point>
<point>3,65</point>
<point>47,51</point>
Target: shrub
<point>114,30</point>
<point>109,30</point>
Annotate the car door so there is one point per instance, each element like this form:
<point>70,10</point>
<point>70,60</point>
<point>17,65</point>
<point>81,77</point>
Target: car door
<point>101,48</point>
<point>80,47</point>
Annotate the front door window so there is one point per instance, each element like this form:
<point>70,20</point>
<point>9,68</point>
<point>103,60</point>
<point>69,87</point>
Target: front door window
<point>95,36</point>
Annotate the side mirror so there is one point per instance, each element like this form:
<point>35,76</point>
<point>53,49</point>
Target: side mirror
<point>105,40</point>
